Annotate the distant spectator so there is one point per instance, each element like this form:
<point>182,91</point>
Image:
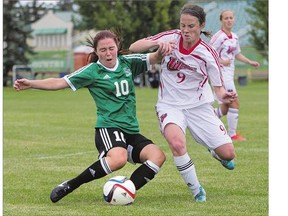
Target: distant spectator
<point>154,76</point>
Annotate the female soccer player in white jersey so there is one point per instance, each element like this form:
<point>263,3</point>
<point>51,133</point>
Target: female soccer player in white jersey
<point>109,79</point>
<point>185,96</point>
<point>227,46</point>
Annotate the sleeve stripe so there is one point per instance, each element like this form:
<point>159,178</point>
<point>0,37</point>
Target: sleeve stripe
<point>67,77</point>
<point>213,52</point>
<point>143,57</point>
<point>69,83</point>
<point>159,35</point>
<point>79,70</point>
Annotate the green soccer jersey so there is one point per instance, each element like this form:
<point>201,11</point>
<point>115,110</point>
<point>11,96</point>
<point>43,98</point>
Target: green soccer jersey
<point>112,90</point>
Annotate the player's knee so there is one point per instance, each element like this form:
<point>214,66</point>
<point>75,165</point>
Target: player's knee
<point>229,155</point>
<point>119,161</point>
<point>154,154</point>
<point>226,152</point>
<point>160,158</point>
<point>178,148</point>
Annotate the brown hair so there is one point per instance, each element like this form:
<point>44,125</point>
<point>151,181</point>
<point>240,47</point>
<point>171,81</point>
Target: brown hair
<point>196,11</point>
<point>221,14</point>
<point>93,42</point>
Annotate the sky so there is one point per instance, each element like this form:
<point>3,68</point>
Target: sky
<point>40,1</point>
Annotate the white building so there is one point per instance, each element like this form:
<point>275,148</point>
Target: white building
<point>57,44</point>
<point>52,32</point>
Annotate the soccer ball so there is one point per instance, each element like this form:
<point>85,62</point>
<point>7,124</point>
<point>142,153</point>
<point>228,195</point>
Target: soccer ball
<point>119,190</point>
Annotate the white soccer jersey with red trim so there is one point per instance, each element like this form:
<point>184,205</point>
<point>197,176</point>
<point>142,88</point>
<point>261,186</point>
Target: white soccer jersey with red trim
<point>227,47</point>
<point>185,74</point>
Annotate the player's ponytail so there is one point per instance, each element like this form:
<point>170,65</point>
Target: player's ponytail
<point>207,34</point>
<point>92,57</point>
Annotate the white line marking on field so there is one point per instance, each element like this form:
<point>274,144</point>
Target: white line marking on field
<point>64,155</point>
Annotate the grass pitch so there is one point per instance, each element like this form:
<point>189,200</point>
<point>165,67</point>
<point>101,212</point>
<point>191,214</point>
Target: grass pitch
<point>49,137</point>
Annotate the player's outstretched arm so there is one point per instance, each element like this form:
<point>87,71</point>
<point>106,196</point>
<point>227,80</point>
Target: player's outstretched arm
<point>143,45</point>
<point>45,84</point>
<point>244,59</point>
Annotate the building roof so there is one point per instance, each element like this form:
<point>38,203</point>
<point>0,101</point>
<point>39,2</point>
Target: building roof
<point>50,20</point>
<point>50,31</point>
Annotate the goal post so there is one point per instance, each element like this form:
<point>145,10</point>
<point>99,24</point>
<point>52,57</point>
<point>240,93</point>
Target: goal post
<point>22,71</point>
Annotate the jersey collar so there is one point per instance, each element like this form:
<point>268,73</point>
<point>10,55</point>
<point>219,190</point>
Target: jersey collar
<point>110,69</point>
<point>229,35</point>
<point>183,50</point>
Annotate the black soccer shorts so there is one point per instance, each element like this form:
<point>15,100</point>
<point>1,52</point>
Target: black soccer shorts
<point>108,138</point>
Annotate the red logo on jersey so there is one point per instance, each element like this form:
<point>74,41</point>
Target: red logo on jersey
<point>175,65</point>
<point>231,49</point>
<point>162,117</point>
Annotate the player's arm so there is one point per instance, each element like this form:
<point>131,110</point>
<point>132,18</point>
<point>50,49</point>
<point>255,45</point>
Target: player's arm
<point>225,62</point>
<point>45,84</point>
<point>157,56</point>
<point>216,80</point>
<point>244,59</point>
<point>143,45</point>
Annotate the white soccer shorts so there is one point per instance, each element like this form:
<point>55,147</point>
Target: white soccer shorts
<point>205,127</point>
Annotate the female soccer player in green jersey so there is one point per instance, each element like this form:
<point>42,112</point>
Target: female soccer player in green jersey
<point>109,79</point>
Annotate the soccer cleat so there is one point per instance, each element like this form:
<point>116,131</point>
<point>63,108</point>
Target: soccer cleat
<point>201,196</point>
<point>60,191</point>
<point>238,137</point>
<point>228,164</point>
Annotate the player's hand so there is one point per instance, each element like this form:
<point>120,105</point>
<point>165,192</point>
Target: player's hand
<point>22,84</point>
<point>166,48</point>
<point>229,97</point>
<point>225,62</point>
<point>255,64</point>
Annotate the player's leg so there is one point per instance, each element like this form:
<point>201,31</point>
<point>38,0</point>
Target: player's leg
<point>210,131</point>
<point>173,126</point>
<point>232,118</point>
<point>232,121</point>
<point>113,156</point>
<point>177,142</point>
<point>142,150</point>
<point>225,154</point>
<point>221,109</point>
<point>233,114</point>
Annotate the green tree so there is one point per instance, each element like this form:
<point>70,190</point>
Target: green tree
<point>16,29</point>
<point>259,22</point>
<point>64,5</point>
<point>134,19</point>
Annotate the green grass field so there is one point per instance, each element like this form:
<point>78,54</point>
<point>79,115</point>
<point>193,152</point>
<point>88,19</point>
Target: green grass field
<point>49,137</point>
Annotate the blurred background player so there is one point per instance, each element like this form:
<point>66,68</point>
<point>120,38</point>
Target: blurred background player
<point>227,46</point>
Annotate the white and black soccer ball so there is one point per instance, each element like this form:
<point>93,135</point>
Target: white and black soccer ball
<point>119,190</point>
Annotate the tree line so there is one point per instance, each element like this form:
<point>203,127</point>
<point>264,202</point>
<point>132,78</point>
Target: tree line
<point>132,19</point>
